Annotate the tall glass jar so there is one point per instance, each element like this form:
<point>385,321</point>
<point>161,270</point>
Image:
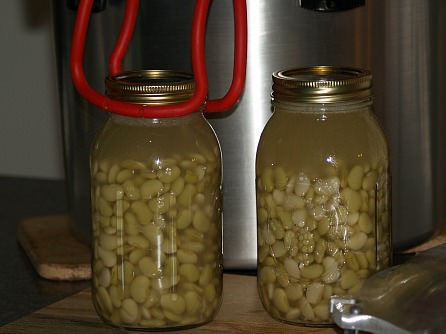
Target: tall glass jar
<point>323,193</point>
<point>156,202</point>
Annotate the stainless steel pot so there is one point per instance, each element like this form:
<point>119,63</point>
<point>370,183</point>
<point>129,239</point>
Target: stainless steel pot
<point>400,41</point>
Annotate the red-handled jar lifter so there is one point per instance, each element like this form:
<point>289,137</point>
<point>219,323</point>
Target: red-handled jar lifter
<point>198,63</point>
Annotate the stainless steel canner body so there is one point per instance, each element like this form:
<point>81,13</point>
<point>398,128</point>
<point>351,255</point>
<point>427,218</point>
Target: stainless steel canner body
<point>400,41</point>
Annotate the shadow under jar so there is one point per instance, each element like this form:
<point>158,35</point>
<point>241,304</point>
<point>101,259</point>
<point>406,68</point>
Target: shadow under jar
<point>156,202</point>
<point>323,193</point>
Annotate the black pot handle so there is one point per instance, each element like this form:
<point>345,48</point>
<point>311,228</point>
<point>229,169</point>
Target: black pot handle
<point>98,5</point>
<point>331,5</point>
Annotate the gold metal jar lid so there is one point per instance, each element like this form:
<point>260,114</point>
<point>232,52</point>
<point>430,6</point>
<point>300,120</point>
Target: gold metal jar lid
<point>152,87</point>
<point>321,84</point>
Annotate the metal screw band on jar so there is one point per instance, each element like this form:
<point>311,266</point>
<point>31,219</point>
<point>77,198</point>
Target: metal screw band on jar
<point>321,84</point>
<point>151,87</point>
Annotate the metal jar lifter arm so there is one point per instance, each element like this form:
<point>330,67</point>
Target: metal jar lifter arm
<point>348,315</point>
<point>408,298</point>
<point>198,62</point>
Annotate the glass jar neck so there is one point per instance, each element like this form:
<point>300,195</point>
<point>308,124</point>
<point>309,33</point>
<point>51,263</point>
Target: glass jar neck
<point>338,107</point>
<point>189,118</point>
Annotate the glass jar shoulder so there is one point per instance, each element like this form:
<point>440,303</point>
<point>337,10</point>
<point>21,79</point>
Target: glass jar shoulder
<point>301,124</point>
<point>315,138</point>
<point>123,138</point>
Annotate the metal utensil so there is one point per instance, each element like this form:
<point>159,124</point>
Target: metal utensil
<point>406,299</point>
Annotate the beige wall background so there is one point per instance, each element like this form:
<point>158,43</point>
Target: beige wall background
<point>30,131</point>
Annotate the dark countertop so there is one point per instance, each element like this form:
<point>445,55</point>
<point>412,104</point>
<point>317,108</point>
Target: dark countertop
<point>22,291</point>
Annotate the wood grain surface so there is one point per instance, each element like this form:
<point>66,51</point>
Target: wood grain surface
<point>241,312</point>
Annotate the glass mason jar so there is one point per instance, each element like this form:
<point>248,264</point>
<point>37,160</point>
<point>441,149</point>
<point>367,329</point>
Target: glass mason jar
<point>156,210</point>
<point>323,193</point>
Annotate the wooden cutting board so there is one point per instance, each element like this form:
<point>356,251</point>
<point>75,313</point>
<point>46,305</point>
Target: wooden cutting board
<point>241,312</point>
<point>53,249</point>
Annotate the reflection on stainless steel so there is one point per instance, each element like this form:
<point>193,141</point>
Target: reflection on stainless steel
<point>400,41</point>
